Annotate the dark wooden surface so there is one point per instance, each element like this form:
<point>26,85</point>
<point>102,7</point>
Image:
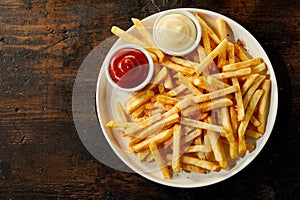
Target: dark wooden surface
<point>42,45</point>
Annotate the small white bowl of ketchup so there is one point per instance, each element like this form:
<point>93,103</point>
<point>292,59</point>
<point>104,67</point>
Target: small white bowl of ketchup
<point>177,32</point>
<point>129,68</point>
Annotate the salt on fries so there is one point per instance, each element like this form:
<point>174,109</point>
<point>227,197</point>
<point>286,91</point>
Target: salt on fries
<point>197,113</point>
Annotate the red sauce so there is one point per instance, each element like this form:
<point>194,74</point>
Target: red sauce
<point>129,68</point>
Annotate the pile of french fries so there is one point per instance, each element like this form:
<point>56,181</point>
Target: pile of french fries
<point>199,111</point>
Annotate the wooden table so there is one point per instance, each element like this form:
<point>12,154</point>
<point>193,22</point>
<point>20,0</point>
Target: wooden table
<point>42,46</point>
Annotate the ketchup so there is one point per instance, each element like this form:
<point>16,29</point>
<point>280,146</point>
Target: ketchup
<point>129,67</point>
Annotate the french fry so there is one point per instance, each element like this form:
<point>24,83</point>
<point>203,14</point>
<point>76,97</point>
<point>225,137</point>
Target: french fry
<point>243,64</point>
<point>216,94</point>
<point>119,124</point>
<point>138,112</point>
<point>239,100</point>
<point>178,68</point>
<point>162,74</point>
<point>263,106</point>
<point>252,89</point>
<point>183,62</point>
<point>159,138</point>
<point>198,148</point>
<point>132,130</point>
<point>222,35</point>
<point>215,104</point>
<point>249,81</point>
<point>176,91</point>
<point>243,125</point>
<point>212,55</point>
<point>210,32</point>
<point>162,166</point>
<point>232,74</point>
<point>233,148</point>
<point>157,126</point>
<point>205,39</point>
<point>201,53</point>
<point>127,36</point>
<point>200,163</point>
<point>138,99</point>
<point>121,112</point>
<point>255,121</point>
<point>259,68</point>
<point>166,99</point>
<point>188,85</point>
<point>176,148</point>
<point>203,125</point>
<point>217,148</point>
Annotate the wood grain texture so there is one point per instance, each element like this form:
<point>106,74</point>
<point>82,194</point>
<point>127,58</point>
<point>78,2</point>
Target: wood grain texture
<point>42,45</point>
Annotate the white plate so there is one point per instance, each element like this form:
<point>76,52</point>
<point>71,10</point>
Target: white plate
<point>107,96</point>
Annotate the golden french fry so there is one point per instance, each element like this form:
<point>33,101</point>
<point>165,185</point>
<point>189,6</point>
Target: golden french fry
<point>127,36</point>
<point>222,34</point>
<point>188,85</point>
<point>205,40</point>
<point>166,100</point>
<point>119,124</point>
<point>163,167</point>
<point>121,111</point>
<point>198,148</point>
<point>217,84</point>
<point>176,148</point>
<point>203,125</point>
<point>232,74</point>
<point>239,100</point>
<point>153,128</point>
<point>183,62</point>
<point>179,68</point>
<point>138,112</point>
<point>168,83</point>
<point>142,155</point>
<point>259,68</point>
<point>243,125</point>
<point>243,64</point>
<point>200,163</point>
<point>217,148</point>
<point>159,138</point>
<point>158,78</point>
<point>263,106</point>
<point>252,89</point>
<point>176,91</point>
<point>249,81</point>
<point>215,104</point>
<point>216,94</point>
<point>212,55</point>
<point>210,32</point>
<point>201,53</point>
<point>138,99</point>
<point>230,50</point>
<point>191,136</point>
<point>255,121</point>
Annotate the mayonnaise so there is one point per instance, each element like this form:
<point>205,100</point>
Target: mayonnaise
<point>175,32</point>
